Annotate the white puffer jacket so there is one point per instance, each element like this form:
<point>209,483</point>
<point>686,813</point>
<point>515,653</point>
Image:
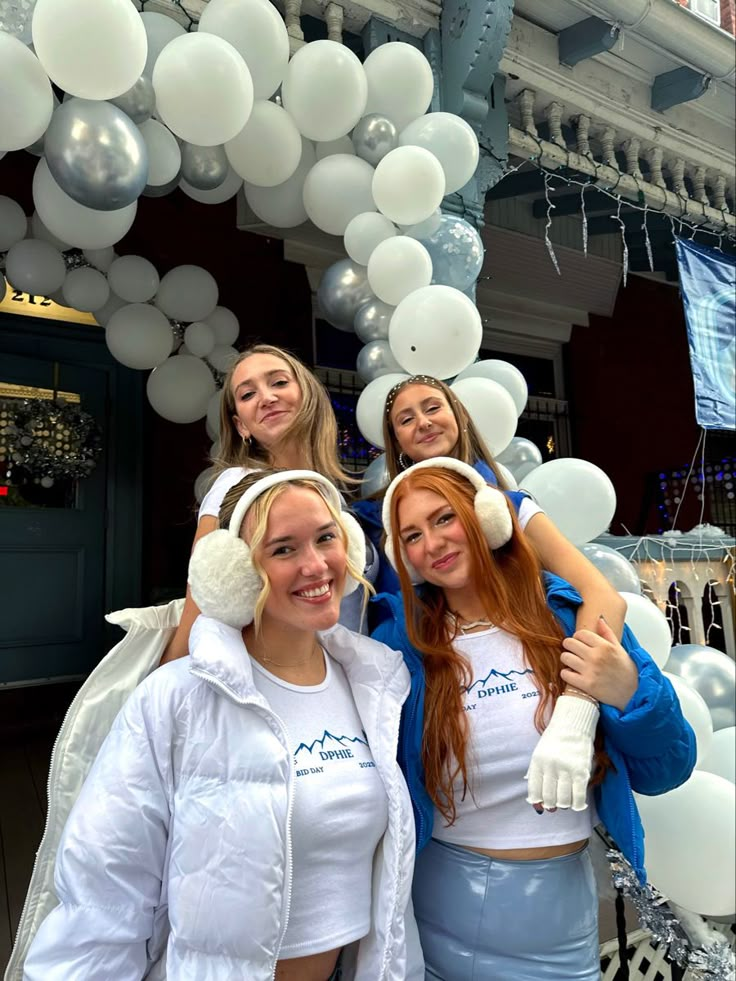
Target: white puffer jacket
<point>176,859</point>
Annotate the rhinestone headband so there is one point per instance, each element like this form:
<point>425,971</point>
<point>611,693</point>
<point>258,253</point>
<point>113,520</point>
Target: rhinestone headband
<point>411,380</point>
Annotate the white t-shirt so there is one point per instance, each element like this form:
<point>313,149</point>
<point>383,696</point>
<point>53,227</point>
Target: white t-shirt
<point>527,509</point>
<point>500,703</point>
<point>212,500</point>
<point>340,811</point>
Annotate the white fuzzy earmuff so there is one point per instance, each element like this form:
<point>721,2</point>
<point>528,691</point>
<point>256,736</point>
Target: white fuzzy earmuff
<point>222,578</point>
<point>491,509</point>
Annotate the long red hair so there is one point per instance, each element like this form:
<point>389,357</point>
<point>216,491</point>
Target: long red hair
<point>509,585</point>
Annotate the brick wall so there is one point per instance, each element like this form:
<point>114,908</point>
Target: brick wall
<point>728,16</point>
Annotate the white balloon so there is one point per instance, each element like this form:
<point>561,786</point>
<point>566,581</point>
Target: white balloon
<point>27,100</point>
<point>400,82</point>
<point>266,152</point>
<point>13,223</point>
<point>204,91</point>
<point>203,483</point>
<point>283,206</point>
<point>435,331</point>
<point>82,227</point>
<point>364,233</point>
<point>324,90</point>
<point>337,189</point>
<point>649,625</point>
<point>133,278</point>
<point>371,405</point>
<point>35,267</point>
<point>37,229</point>
<point>224,325</point>
<point>213,415</point>
<point>451,140</point>
<point>104,314</point>
<point>696,712</point>
<point>102,258</point>
<point>85,289</point>
<point>255,29</point>
<point>180,388</point>
<point>491,408</point>
<point>397,267</point>
<point>721,757</point>
<point>505,374</point>
<point>375,477</point>
<point>342,144</point>
<point>222,356</point>
<point>139,336</point>
<point>507,476</point>
<point>160,29</point>
<point>576,495</point>
<point>199,338</point>
<point>408,185</point>
<point>164,155</point>
<point>228,189</point>
<point>690,844</point>
<point>187,293</point>
<point>90,49</point>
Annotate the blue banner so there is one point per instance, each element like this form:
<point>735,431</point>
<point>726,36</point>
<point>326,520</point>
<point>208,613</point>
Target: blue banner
<point>708,283</point>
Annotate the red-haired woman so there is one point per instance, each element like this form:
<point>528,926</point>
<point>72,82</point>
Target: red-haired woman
<point>497,892</point>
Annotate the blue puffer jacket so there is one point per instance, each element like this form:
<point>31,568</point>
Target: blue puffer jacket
<point>651,746</point>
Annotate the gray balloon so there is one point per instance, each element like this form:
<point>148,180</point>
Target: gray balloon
<point>161,190</point>
<point>617,569</point>
<point>96,154</point>
<point>343,290</point>
<point>376,359</point>
<point>372,320</point>
<point>374,137</point>
<point>712,674</point>
<point>204,167</point>
<point>139,101</point>
<point>375,477</point>
<point>521,456</point>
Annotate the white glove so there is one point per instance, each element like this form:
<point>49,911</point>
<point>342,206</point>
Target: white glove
<point>560,767</point>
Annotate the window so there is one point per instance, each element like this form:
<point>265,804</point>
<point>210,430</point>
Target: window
<point>707,9</point>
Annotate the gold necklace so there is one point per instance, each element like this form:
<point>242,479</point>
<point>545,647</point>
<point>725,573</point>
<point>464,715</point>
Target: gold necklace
<point>296,664</point>
<point>469,625</point>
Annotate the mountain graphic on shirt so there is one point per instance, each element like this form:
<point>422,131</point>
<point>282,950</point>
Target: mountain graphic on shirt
<point>327,739</point>
<point>507,676</point>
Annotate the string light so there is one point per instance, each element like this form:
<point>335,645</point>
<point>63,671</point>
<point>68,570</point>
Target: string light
<point>550,209</point>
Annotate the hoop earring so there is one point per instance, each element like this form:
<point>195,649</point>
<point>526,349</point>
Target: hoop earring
<point>247,441</point>
<point>404,461</point>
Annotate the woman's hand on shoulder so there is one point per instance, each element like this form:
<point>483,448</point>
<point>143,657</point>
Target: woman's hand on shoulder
<point>597,664</point>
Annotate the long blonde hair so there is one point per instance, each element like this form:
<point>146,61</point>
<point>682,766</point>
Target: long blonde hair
<point>314,429</point>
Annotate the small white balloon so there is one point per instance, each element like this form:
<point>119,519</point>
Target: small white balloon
<point>371,405</point>
<point>650,627</point>
<point>266,152</point>
<point>160,29</point>
<point>204,91</point>
<point>180,389</point>
<point>400,82</point>
<point>35,267</point>
<point>364,233</point>
<point>696,713</point>
<point>451,140</point>
<point>164,155</point>
<point>224,325</point>
<point>408,185</point>
<point>139,336</point>
<point>491,408</point>
<point>85,289</point>
<point>337,189</point>
<point>222,356</point>
<point>324,90</point>
<point>721,757</point>
<point>505,374</point>
<point>283,206</point>
<point>397,267</point>
<point>341,145</point>
<point>104,314</point>
<point>199,338</point>
<point>27,100</point>
<point>187,293</point>
<point>101,259</point>
<point>227,190</point>
<point>13,223</point>
<point>435,331</point>
<point>133,278</point>
<point>576,495</point>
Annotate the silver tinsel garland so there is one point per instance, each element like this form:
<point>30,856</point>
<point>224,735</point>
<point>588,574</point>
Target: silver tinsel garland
<point>715,962</point>
<point>49,439</point>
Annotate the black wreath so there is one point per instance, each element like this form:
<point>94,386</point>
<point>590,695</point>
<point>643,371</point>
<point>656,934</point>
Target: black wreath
<point>51,438</point>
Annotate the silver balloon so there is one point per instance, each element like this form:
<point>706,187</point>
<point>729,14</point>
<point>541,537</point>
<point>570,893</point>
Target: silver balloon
<point>139,101</point>
<point>372,320</point>
<point>204,167</point>
<point>374,137</point>
<point>161,190</point>
<point>521,456</point>
<point>96,154</point>
<point>617,569</point>
<point>375,477</point>
<point>343,290</point>
<point>712,674</point>
<point>376,359</point>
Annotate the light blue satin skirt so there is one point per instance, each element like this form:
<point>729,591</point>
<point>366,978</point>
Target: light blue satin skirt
<point>483,919</point>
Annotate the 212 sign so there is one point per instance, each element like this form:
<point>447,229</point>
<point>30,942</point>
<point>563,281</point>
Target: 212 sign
<point>20,297</point>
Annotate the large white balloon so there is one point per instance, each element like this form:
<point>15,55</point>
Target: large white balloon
<point>491,408</point>
<point>139,336</point>
<point>133,278</point>
<point>187,293</point>
<point>90,49</point>
<point>256,29</point>
<point>324,90</point>
<point>408,185</point>
<point>283,206</point>
<point>13,223</point>
<point>650,626</point>
<point>85,289</point>
<point>224,325</point>
<point>696,712</point>
<point>80,226</point>
<point>213,413</point>
<point>164,155</point>
<point>576,495</point>
<point>160,29</point>
<point>267,150</point>
<point>364,233</point>
<point>337,189</point>
<point>397,267</point>
<point>691,848</point>
<point>180,388</point>
<point>505,374</point>
<point>400,82</point>
<point>204,91</point>
<point>451,140</point>
<point>228,189</point>
<point>27,100</point>
<point>37,229</point>
<point>721,757</point>
<point>371,406</point>
<point>35,267</point>
<point>436,331</point>
<point>101,258</point>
